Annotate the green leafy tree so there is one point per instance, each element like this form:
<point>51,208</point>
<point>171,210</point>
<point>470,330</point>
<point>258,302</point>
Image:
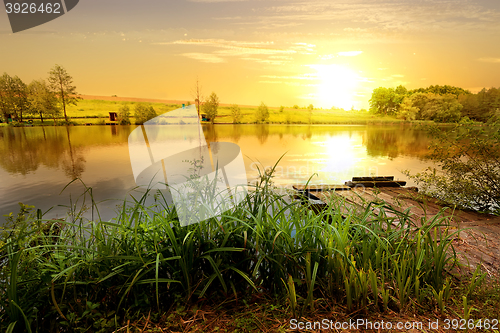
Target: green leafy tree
<point>5,100</point>
<point>407,110</point>
<point>13,97</point>
<point>143,113</point>
<point>61,83</point>
<point>441,90</point>
<point>210,107</point>
<point>262,113</point>
<point>235,113</point>
<point>19,96</point>
<point>124,115</point>
<point>468,172</point>
<point>310,108</point>
<point>282,108</point>
<point>43,102</point>
<point>383,101</point>
<point>429,106</point>
<point>441,108</point>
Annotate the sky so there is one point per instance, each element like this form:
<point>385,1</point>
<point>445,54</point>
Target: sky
<point>280,52</point>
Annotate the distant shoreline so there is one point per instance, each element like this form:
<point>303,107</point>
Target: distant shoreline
<point>149,100</point>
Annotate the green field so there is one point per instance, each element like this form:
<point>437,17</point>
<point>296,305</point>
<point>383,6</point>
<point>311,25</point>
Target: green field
<point>97,111</point>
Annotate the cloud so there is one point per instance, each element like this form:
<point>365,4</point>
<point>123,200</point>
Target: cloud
<point>300,77</point>
<point>349,53</point>
<point>391,17</point>
<point>492,60</point>
<point>235,48</point>
<point>268,52</point>
<point>398,75</point>
<point>204,57</point>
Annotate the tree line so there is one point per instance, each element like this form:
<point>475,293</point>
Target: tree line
<point>438,103</point>
<point>41,98</point>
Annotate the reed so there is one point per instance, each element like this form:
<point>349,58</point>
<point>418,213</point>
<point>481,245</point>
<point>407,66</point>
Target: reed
<point>144,259</point>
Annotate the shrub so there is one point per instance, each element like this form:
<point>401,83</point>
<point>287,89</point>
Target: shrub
<point>262,113</point>
<point>143,113</point>
<point>124,115</point>
<point>235,113</point>
<point>468,173</point>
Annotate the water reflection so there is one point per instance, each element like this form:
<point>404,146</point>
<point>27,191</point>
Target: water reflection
<point>24,150</point>
<point>393,142</point>
<point>37,162</point>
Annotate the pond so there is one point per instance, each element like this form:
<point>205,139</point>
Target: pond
<point>37,163</point>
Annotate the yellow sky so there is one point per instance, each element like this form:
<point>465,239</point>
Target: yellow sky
<point>281,52</point>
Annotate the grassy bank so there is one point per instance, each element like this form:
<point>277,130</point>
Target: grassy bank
<point>144,268</point>
<point>97,112</point>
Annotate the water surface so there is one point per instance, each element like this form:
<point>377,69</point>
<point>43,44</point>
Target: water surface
<point>36,163</point>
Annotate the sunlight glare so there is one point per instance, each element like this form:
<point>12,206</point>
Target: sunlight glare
<point>336,86</point>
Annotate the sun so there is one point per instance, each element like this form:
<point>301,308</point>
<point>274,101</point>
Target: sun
<point>336,86</point>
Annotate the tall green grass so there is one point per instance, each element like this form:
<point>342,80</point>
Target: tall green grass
<point>77,274</point>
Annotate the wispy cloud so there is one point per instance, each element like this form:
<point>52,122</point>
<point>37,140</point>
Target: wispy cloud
<point>296,77</point>
<point>390,16</point>
<point>204,57</point>
<point>349,53</point>
<point>492,60</point>
<point>267,51</point>
<point>234,47</point>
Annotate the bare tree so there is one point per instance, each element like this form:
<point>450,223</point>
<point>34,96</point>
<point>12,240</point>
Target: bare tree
<point>61,83</point>
<point>196,94</point>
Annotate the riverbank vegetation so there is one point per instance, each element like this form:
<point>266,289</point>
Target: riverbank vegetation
<point>79,275</point>
<point>33,104</point>
<point>444,104</point>
<point>468,166</point>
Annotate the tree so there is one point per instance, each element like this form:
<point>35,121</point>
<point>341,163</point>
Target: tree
<point>13,97</point>
<point>19,97</point>
<point>124,115</point>
<point>468,157</point>
<point>5,106</point>
<point>143,113</point>
<point>61,83</point>
<point>235,113</point>
<point>429,106</point>
<point>210,106</point>
<point>310,108</point>
<point>196,92</point>
<point>406,110</point>
<point>282,108</point>
<point>262,113</point>
<point>383,101</point>
<point>42,100</point>
<point>441,90</point>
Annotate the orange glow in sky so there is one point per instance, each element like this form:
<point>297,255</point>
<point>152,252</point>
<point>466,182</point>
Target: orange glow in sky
<point>281,52</point>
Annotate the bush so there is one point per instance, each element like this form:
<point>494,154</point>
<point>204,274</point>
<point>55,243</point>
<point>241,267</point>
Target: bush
<point>143,113</point>
<point>124,115</point>
<point>262,113</point>
<point>468,173</point>
<point>235,113</point>
<point>211,106</point>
